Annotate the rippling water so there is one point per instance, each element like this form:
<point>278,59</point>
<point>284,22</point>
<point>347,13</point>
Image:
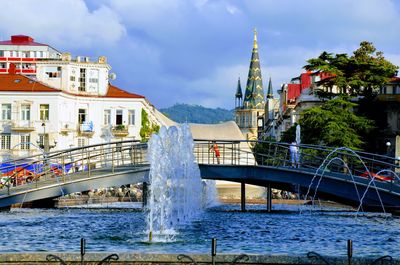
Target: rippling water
<point>285,231</point>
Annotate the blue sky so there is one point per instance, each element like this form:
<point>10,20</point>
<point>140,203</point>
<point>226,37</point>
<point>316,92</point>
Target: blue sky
<point>193,51</point>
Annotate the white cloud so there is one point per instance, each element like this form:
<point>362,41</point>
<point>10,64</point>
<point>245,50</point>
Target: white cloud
<point>65,23</point>
<point>232,9</point>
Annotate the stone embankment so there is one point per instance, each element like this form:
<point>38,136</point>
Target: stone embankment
<point>160,259</point>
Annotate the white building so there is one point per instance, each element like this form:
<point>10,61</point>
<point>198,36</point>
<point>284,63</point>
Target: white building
<point>62,102</point>
<point>35,114</point>
<point>23,52</point>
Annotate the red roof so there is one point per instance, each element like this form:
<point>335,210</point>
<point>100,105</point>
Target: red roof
<point>115,92</point>
<point>20,83</point>
<point>395,79</point>
<point>293,92</point>
<point>21,40</point>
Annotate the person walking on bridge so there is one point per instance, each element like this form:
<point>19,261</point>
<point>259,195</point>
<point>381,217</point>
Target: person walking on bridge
<point>215,148</point>
<point>294,154</point>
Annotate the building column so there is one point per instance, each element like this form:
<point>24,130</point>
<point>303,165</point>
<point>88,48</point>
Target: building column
<point>243,196</point>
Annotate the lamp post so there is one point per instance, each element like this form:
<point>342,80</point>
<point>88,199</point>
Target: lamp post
<point>45,144</point>
<point>388,144</point>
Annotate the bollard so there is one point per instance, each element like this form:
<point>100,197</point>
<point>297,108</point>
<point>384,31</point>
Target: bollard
<point>213,250</point>
<point>83,250</point>
<point>349,250</point>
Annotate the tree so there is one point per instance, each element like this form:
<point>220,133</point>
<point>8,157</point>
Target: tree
<point>333,124</point>
<point>147,127</point>
<point>361,74</point>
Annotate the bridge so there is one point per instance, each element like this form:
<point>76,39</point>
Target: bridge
<point>363,180</point>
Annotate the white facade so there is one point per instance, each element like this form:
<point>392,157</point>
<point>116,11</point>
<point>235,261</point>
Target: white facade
<point>80,76</point>
<point>62,124</point>
<point>23,52</point>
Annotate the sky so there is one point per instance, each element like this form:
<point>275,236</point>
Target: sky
<point>194,51</point>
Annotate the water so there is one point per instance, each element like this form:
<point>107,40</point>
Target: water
<point>324,230</point>
<point>175,182</point>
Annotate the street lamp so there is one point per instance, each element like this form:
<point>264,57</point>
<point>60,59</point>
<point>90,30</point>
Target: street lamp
<point>44,145</point>
<point>388,144</point>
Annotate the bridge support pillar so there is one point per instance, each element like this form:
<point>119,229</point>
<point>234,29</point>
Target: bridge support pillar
<point>145,193</point>
<point>269,198</point>
<point>243,196</point>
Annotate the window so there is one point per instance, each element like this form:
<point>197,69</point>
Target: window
<point>25,112</point>
<point>43,138</point>
<point>107,117</point>
<point>82,116</point>
<point>72,78</point>
<point>131,117</point>
<point>6,111</point>
<point>3,65</point>
<point>53,71</point>
<point>25,142</point>
<point>93,80</point>
<point>1,53</point>
<point>82,80</point>
<point>44,112</point>
<point>5,141</point>
<point>118,117</point>
<point>81,142</point>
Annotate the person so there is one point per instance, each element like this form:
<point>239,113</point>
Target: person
<point>216,150</point>
<point>294,154</point>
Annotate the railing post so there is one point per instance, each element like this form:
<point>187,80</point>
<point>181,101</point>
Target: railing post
<point>88,162</point>
<point>63,167</point>
<point>112,159</point>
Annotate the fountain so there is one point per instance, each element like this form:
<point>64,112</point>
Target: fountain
<point>175,184</point>
<point>328,160</point>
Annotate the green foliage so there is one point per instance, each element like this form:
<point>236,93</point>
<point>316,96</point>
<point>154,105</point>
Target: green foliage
<point>289,135</point>
<point>197,114</point>
<point>120,127</point>
<point>147,127</point>
<point>362,74</point>
<point>333,124</point>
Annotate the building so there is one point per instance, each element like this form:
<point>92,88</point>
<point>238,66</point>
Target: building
<point>389,138</point>
<point>64,103</point>
<point>271,109</point>
<point>294,97</point>
<point>249,111</point>
<point>22,52</point>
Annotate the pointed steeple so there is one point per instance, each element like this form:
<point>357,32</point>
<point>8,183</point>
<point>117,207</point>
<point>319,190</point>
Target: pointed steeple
<point>254,95</point>
<point>239,93</point>
<point>269,92</point>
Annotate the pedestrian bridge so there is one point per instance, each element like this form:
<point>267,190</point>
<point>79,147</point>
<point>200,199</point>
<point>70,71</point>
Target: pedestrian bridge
<point>364,180</point>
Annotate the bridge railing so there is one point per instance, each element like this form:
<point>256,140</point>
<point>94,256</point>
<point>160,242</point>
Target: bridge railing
<point>314,158</point>
<point>80,162</point>
<point>70,164</point>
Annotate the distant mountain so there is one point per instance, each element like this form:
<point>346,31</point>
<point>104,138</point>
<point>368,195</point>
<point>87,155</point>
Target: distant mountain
<point>197,114</point>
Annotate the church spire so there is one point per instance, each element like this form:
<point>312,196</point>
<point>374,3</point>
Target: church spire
<point>254,95</point>
<point>239,90</point>
<point>238,95</point>
<point>255,45</point>
<point>269,92</point>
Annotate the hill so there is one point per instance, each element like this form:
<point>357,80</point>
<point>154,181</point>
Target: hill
<point>197,114</point>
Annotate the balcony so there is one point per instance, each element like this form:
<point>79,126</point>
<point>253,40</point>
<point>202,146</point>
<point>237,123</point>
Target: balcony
<point>86,129</point>
<point>120,130</point>
<point>66,127</point>
<point>22,126</point>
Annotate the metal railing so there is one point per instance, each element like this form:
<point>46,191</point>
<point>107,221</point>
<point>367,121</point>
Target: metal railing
<point>66,165</point>
<point>85,162</point>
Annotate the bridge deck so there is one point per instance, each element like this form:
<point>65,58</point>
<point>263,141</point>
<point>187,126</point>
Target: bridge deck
<point>347,177</point>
